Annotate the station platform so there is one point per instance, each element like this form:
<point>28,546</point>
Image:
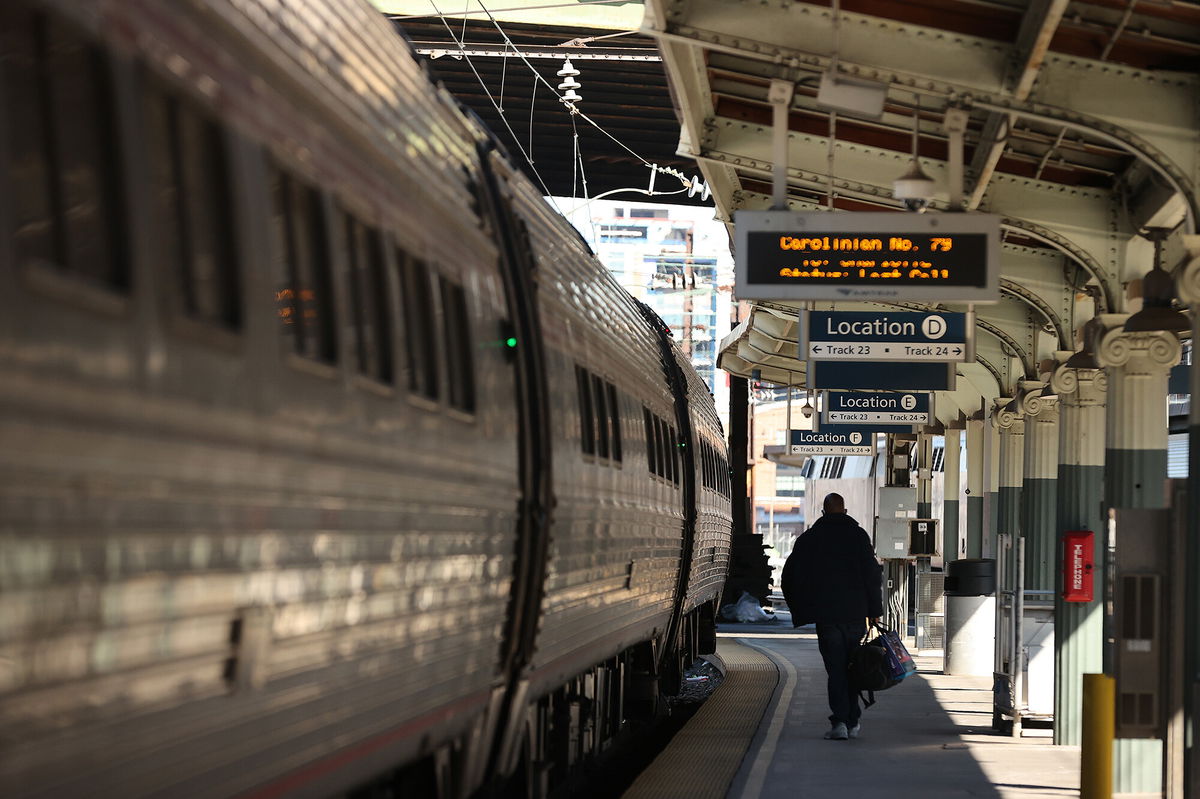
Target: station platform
<point>759,736</point>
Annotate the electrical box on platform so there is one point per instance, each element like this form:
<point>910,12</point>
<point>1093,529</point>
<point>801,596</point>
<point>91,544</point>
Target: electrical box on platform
<point>922,537</point>
<point>897,506</point>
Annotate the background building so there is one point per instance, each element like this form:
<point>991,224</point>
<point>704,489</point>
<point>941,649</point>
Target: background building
<point>674,258</point>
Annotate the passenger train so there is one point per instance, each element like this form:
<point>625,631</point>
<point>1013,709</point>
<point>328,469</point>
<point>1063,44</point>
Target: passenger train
<point>331,461</point>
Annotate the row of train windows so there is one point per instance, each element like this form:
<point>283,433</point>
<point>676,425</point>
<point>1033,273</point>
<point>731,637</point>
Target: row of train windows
<point>715,469</point>
<point>68,199</point>
<point>599,416</point>
<point>662,447</point>
<point>306,303</point>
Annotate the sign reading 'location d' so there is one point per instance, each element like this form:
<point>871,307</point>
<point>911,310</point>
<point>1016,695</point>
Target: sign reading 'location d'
<point>819,255</point>
<point>879,336</point>
<point>859,408</point>
<point>833,440</point>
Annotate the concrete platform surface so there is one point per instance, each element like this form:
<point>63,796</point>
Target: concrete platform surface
<point>930,736</point>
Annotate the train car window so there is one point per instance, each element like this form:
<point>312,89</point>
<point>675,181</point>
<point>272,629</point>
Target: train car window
<point>676,466</point>
<point>460,366</point>
<point>660,457</point>
<point>63,161</point>
<point>706,464</point>
<point>664,437</point>
<point>614,410</point>
<point>369,301</point>
<point>601,416</point>
<point>587,422</point>
<point>664,450</point>
<point>195,209</point>
<point>651,438</point>
<point>301,242</point>
<point>419,327</point>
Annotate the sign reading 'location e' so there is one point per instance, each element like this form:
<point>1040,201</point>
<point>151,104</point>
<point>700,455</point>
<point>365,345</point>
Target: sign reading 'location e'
<point>792,255</point>
<point>872,336</point>
<point>833,440</point>
<point>859,408</point>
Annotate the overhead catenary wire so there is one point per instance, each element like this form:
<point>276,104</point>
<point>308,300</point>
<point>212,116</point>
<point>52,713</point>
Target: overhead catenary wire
<point>571,107</point>
<point>492,100</point>
<point>553,89</point>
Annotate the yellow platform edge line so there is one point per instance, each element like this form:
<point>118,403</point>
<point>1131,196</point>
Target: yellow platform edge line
<point>704,757</point>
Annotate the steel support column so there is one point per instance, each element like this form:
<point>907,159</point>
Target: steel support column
<point>1039,486</point>
<point>1078,626</point>
<point>977,485</point>
<point>951,470</point>
<point>1135,467</point>
<point>924,476</point>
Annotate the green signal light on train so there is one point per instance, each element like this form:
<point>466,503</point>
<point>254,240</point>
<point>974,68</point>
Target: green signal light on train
<point>511,342</point>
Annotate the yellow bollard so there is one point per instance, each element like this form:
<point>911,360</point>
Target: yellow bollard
<point>1099,728</point>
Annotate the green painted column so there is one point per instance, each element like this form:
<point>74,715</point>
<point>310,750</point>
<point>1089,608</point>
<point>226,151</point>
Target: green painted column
<point>1039,484</point>
<point>1188,285</point>
<point>992,514</point>
<point>1078,626</point>
<point>977,482</point>
<point>1135,468</point>
<point>1011,425</point>
<point>952,473</point>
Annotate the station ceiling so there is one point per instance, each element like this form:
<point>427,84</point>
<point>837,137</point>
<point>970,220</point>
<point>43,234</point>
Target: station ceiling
<point>624,90</point>
<point>1082,129</point>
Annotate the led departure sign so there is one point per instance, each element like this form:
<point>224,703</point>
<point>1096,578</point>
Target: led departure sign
<point>857,256</point>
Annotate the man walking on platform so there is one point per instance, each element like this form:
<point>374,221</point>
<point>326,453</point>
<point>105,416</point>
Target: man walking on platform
<point>832,578</point>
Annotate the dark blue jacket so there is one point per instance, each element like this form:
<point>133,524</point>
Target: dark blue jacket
<point>832,575</point>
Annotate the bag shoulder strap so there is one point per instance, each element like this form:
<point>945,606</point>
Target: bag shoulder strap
<point>867,697</point>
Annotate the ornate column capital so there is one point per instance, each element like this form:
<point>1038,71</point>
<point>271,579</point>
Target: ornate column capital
<point>1149,351</point>
<point>1007,416</point>
<point>1032,404</point>
<point>1080,387</point>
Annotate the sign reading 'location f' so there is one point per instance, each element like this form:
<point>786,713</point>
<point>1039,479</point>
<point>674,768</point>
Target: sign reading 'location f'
<point>871,336</point>
<point>833,440</point>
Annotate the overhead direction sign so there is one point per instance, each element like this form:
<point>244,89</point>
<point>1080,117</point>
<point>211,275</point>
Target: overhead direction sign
<point>882,336</point>
<point>882,375</point>
<point>833,440</point>
<point>875,408</point>
<point>822,255</point>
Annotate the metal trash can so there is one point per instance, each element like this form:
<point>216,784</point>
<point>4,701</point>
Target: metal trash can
<point>970,617</point>
<point>971,577</point>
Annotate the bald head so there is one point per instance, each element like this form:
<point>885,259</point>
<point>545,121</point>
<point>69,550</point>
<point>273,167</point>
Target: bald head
<point>834,503</point>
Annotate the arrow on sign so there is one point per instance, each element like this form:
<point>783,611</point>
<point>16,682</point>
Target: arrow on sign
<point>816,349</point>
<point>958,350</point>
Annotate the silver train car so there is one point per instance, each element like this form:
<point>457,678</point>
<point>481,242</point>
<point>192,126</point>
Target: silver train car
<point>329,455</point>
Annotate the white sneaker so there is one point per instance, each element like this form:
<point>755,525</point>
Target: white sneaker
<point>853,733</point>
<point>837,732</point>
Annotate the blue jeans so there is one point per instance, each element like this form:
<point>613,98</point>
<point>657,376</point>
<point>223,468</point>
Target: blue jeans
<point>837,641</point>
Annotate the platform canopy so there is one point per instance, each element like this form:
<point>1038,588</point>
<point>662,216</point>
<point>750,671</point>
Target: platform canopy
<point>486,56</point>
<point>1079,128</point>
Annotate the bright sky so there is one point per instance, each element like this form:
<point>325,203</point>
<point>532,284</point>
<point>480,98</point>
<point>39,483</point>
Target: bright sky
<point>622,15</point>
